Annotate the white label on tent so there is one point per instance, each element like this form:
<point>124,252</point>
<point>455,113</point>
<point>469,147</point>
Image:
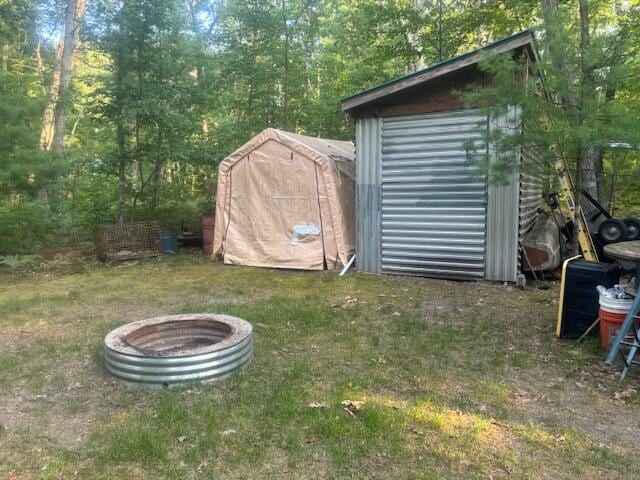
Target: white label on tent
<point>302,230</point>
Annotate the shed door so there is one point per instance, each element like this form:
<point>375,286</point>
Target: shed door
<point>433,206</point>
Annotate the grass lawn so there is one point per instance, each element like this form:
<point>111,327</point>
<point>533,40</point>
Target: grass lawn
<point>459,380</point>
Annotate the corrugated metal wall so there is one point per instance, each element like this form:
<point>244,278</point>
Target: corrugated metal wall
<point>368,182</point>
<point>531,186</point>
<point>502,211</point>
<point>433,204</point>
<point>422,211</point>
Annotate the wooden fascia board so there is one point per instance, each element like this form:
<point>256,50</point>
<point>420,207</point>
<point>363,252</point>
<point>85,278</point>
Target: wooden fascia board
<point>433,73</point>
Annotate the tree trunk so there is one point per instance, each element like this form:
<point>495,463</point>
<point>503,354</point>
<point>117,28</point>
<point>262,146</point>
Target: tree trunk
<point>121,134</point>
<point>440,31</point>
<point>136,166</point>
<point>46,129</point>
<point>584,175</point>
<point>598,151</point>
<point>611,198</point>
<point>591,155</point>
<point>285,82</point>
<point>588,153</point>
<point>122,169</point>
<point>157,169</point>
<point>5,57</point>
<point>598,165</point>
<point>553,41</point>
<point>577,214</point>
<point>199,66</point>
<point>483,32</point>
<point>73,20</point>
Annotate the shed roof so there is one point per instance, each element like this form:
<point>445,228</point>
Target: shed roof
<point>521,40</point>
<point>317,149</point>
<point>335,149</point>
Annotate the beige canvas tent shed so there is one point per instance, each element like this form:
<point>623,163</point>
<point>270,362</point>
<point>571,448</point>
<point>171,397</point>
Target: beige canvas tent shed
<point>286,201</point>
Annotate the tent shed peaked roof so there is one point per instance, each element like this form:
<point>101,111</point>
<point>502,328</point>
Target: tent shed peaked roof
<point>335,150</point>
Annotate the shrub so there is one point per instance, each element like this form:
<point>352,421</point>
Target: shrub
<point>24,227</point>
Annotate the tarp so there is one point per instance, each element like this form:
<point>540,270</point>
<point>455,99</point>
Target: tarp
<point>286,201</point>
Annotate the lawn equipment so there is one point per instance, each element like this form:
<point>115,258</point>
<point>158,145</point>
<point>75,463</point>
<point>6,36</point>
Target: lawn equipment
<point>578,305</point>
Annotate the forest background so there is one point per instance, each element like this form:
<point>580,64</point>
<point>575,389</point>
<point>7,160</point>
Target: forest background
<point>121,110</point>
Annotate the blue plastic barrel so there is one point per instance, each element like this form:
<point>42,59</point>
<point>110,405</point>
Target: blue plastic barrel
<point>168,241</point>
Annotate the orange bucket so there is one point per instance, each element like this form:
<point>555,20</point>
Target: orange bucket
<point>610,323</point>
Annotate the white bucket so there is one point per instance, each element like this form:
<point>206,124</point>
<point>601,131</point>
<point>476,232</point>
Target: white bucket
<point>616,305</point>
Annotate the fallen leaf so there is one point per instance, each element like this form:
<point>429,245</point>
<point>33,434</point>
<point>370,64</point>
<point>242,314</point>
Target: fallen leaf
<point>623,394</point>
<point>352,405</point>
<point>228,432</point>
<point>181,438</point>
<point>520,396</point>
<point>201,466</point>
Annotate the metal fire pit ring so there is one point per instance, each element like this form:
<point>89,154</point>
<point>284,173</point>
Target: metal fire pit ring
<point>165,351</point>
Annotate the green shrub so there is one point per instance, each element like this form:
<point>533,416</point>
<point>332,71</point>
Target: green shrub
<point>18,261</point>
<point>24,227</point>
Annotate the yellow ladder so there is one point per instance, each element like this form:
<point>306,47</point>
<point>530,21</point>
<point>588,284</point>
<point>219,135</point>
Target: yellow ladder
<point>568,207</point>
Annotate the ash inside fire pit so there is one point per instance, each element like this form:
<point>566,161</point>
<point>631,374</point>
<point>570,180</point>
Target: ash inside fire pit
<point>175,349</point>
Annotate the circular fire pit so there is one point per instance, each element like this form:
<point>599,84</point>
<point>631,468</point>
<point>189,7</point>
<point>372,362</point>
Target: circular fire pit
<point>165,351</point>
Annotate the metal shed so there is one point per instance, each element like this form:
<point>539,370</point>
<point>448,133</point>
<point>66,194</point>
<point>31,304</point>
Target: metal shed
<point>421,209</point>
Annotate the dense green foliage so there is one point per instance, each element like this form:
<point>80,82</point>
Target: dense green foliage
<point>162,90</point>
<point>586,110</point>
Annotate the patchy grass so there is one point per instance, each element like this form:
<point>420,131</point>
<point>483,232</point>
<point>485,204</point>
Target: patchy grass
<point>459,380</point>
